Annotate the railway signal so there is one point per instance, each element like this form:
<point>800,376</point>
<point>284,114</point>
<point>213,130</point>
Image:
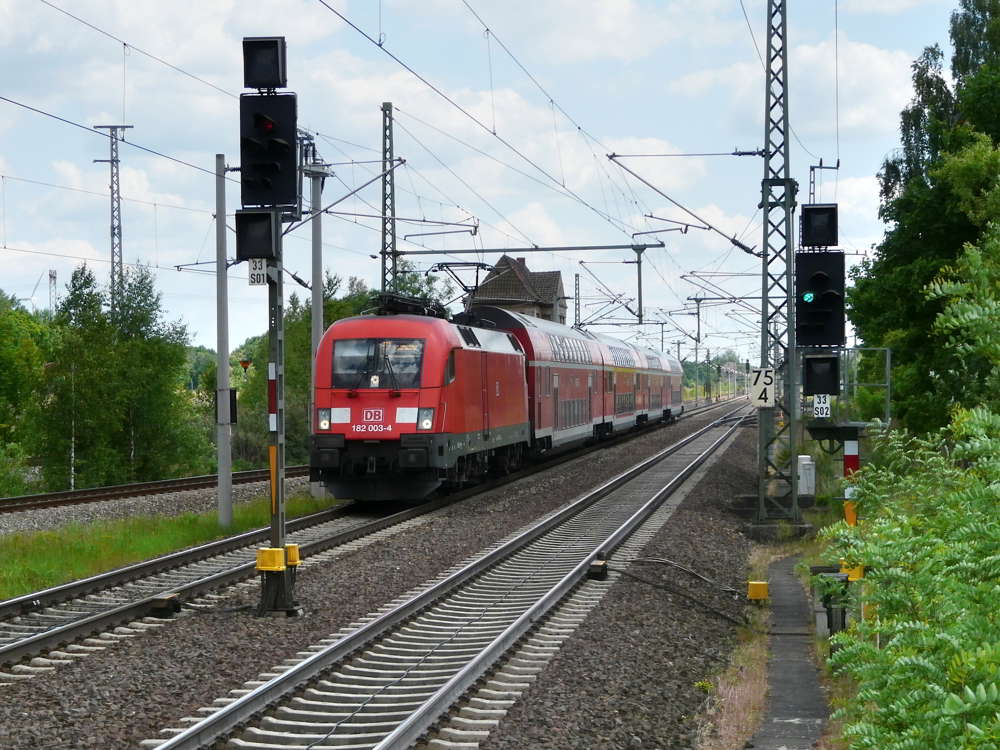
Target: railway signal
<point>819,299</point>
<point>258,234</point>
<point>819,225</point>
<point>269,183</point>
<point>264,62</point>
<point>268,150</point>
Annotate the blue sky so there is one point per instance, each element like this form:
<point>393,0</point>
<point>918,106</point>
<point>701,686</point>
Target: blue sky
<point>583,78</point>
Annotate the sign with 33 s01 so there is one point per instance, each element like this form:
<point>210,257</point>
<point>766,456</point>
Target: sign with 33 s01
<point>258,271</point>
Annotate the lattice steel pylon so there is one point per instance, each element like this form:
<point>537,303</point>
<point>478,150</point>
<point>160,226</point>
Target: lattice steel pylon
<point>389,255</point>
<point>53,292</point>
<point>777,489</point>
<point>116,213</point>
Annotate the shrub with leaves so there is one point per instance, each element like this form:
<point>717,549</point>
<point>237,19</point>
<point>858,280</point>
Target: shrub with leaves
<point>926,664</point>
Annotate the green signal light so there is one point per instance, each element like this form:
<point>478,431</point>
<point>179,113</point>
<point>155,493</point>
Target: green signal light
<point>808,297</point>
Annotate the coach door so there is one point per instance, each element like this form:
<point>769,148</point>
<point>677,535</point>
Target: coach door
<point>486,395</point>
<point>555,401</point>
<point>590,397</point>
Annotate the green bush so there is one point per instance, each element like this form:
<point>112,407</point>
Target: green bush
<point>927,664</point>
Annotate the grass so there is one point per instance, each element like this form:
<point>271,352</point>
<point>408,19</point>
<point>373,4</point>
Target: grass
<point>739,695</point>
<point>37,561</point>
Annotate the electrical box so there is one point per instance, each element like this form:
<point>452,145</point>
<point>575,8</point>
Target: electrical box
<point>756,590</point>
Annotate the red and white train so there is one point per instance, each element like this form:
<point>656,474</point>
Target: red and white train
<point>407,403</point>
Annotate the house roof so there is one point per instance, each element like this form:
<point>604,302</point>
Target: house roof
<point>511,281</point>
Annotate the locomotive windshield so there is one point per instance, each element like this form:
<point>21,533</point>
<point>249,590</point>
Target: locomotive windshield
<point>377,363</point>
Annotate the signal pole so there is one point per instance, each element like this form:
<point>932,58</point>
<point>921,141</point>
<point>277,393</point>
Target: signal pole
<point>116,213</point>
<point>317,172</point>
<point>223,428</point>
<point>269,179</point>
<point>777,425</point>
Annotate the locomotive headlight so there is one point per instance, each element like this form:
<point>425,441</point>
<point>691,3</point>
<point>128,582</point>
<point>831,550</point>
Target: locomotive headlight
<point>323,417</point>
<point>425,419</point>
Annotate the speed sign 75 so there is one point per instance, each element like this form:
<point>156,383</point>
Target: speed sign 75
<point>762,386</point>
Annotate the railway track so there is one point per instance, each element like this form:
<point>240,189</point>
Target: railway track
<point>396,679</point>
<point>97,494</point>
<point>161,486</point>
<point>48,620</point>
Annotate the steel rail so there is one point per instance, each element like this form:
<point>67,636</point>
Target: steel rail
<point>160,486</point>
<point>14,652</point>
<point>157,487</point>
<point>58,636</point>
<point>246,708</point>
<point>411,729</point>
<point>75,589</point>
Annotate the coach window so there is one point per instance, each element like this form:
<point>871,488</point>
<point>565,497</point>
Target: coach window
<point>548,381</point>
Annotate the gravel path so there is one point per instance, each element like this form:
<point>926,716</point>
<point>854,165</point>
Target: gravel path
<point>115,699</point>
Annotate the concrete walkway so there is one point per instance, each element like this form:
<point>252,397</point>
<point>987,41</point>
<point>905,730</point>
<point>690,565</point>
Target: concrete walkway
<point>798,711</point>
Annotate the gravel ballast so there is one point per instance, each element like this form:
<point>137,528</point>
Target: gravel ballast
<point>117,698</point>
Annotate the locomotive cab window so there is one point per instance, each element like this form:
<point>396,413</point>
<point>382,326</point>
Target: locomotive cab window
<point>377,363</point>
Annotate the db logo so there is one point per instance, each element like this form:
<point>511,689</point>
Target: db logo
<point>371,415</point>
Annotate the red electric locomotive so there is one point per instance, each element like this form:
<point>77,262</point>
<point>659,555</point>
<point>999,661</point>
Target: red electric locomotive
<point>406,403</point>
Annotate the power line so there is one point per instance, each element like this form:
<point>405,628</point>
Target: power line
<point>457,106</point>
<point>105,195</point>
<point>141,52</point>
<point>130,143</point>
<point>762,65</point>
<point>467,185</point>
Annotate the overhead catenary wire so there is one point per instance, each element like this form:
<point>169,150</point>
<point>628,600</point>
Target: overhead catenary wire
<point>133,144</point>
<point>467,185</point>
<point>105,195</point>
<point>733,240</point>
<point>622,226</point>
<point>142,52</point>
<point>408,168</point>
<point>461,109</point>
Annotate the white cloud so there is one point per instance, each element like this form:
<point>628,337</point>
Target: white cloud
<point>566,32</point>
<point>886,7</point>
<point>874,85</point>
<point>536,223</point>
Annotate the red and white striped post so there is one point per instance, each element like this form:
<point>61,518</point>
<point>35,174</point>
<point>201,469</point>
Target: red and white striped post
<point>852,463</point>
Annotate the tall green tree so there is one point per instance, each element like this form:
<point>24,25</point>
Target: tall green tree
<point>116,409</point>
<point>934,205</point>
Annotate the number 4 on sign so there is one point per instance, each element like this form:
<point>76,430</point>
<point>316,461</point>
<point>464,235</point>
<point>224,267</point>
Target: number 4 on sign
<point>762,387</point>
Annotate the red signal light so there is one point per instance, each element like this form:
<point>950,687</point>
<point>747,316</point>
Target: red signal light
<point>263,123</point>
